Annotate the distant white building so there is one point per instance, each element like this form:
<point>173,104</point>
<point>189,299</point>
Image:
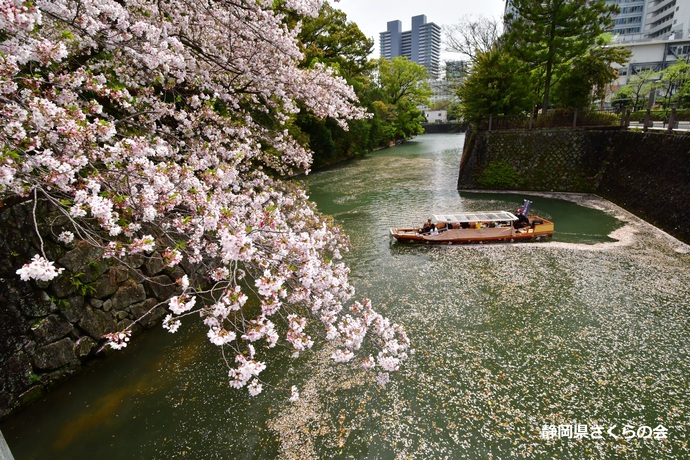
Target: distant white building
<point>436,116</point>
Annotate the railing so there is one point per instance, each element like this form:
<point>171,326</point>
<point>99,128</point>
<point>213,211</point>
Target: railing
<point>669,120</point>
<point>553,119</point>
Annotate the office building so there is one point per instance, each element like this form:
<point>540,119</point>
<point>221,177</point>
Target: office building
<point>421,44</point>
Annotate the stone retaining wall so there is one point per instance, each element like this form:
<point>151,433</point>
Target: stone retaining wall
<point>646,173</point>
<point>50,329</point>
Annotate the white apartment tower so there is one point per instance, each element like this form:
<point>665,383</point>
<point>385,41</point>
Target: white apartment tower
<point>652,19</point>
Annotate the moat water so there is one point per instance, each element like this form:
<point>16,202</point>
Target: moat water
<point>573,348</point>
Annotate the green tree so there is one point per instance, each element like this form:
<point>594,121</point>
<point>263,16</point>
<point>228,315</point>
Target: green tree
<point>401,86</point>
<point>672,80</point>
<point>331,40</point>
<point>585,80</point>
<point>496,86</point>
<point>638,88</point>
<point>547,34</point>
<point>401,79</point>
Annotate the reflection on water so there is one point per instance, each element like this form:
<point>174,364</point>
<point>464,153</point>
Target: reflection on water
<point>587,330</point>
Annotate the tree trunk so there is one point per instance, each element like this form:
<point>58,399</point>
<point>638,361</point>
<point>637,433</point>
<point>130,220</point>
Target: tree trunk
<point>549,69</point>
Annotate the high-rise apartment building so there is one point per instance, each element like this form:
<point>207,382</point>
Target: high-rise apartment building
<point>652,19</point>
<point>421,44</point>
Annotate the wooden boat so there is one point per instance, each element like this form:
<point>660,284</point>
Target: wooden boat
<point>478,227</point>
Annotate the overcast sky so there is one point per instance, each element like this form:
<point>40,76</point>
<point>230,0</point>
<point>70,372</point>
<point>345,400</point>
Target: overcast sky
<point>372,15</point>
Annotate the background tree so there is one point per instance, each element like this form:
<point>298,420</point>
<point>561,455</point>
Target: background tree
<point>401,86</point>
<point>547,34</point>
<point>496,86</point>
<point>587,77</point>
<point>671,81</point>
<point>330,39</point>
<point>638,88</point>
<point>472,36</point>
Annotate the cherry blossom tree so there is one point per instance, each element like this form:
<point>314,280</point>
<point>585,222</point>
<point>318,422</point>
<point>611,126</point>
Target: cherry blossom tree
<point>165,126</point>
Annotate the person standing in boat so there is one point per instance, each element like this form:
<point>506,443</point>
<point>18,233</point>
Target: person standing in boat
<point>522,221</point>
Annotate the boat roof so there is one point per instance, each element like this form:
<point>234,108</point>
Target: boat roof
<point>478,216</point>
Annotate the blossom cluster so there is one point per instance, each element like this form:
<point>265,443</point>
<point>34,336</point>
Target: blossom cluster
<point>39,269</point>
<point>167,125</point>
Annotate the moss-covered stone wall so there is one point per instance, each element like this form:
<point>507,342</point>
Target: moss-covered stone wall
<point>50,330</point>
<point>646,173</point>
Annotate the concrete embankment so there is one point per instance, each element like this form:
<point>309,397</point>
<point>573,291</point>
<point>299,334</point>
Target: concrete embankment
<point>646,173</point>
<point>5,453</point>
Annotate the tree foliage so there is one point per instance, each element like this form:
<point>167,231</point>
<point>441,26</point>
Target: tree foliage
<point>401,86</point>
<point>390,90</point>
<point>330,39</point>
<point>673,82</point>
<point>638,89</point>
<point>165,126</point>
<point>497,86</point>
<point>586,78</point>
<point>548,34</point>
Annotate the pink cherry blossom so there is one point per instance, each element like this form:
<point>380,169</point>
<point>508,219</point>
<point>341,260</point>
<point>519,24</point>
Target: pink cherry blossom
<point>167,125</point>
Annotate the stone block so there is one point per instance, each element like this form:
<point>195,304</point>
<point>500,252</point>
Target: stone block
<point>96,303</point>
<point>83,258</point>
<point>72,308</point>
<point>31,302</point>
<point>55,355</point>
<point>161,287</point>
<point>50,329</point>
<point>128,293</point>
<point>84,346</point>
<point>63,286</point>
<point>154,265</point>
<point>107,284</point>
<point>96,323</point>
<point>14,373</point>
<point>134,260</point>
<point>147,313</point>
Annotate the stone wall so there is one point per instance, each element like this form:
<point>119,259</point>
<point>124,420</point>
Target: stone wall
<point>646,173</point>
<point>50,329</point>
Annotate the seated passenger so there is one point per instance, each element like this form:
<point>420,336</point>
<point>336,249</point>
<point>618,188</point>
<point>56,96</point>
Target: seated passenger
<point>426,228</point>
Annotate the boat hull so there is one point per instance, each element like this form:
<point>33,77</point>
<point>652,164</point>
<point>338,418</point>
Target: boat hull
<point>539,229</point>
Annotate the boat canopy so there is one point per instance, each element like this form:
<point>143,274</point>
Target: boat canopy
<point>481,216</point>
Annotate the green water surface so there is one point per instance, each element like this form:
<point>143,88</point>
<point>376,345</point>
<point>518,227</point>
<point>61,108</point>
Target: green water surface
<point>587,330</point>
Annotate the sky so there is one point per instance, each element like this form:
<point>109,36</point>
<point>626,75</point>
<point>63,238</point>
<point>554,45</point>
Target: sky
<point>372,15</point>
